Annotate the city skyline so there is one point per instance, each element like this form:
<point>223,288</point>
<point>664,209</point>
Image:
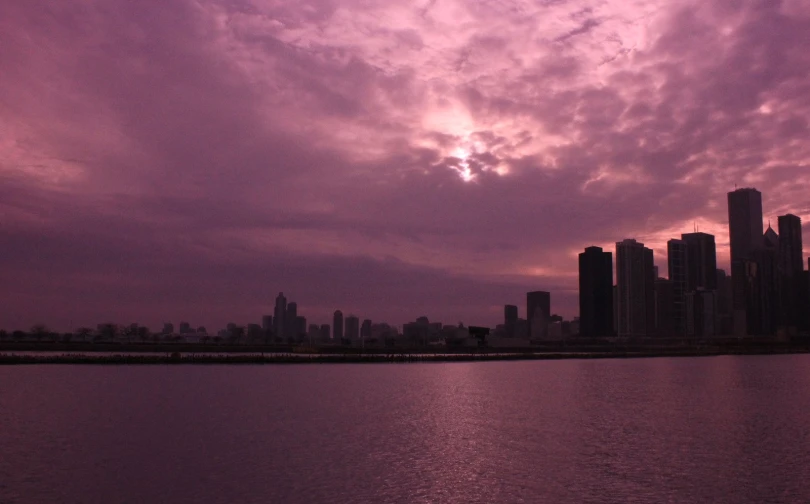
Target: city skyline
<point>691,263</point>
<point>189,162</point>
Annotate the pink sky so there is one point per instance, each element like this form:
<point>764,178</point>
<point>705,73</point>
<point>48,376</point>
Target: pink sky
<point>188,160</point>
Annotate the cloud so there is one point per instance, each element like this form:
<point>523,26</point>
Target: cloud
<point>200,157</point>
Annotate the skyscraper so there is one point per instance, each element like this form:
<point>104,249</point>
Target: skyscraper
<point>664,309</point>
<point>677,263</point>
<point>291,321</point>
<point>365,329</point>
<point>700,314</point>
<point>635,283</point>
<point>701,261</point>
<point>595,292</point>
<point>267,323</point>
<point>745,237</point>
<point>804,299</point>
<point>278,315</point>
<point>790,264</point>
<point>300,327</point>
<point>538,311</point>
<point>352,328</point>
<point>744,222</point>
<point>510,317</point>
<point>337,326</point>
<point>723,313</point>
<point>766,259</point>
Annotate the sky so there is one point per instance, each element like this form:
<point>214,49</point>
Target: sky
<point>188,160</point>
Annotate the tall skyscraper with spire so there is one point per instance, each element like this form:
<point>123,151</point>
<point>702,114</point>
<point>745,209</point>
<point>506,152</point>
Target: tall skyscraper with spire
<point>745,237</point>
<point>701,261</point>
<point>767,297</point>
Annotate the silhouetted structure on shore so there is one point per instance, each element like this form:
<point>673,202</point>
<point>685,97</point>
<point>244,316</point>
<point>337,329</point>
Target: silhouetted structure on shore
<point>596,292</point>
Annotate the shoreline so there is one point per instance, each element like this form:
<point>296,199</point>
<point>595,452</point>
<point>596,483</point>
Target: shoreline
<point>204,357</point>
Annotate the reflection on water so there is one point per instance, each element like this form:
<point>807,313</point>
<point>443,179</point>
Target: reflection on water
<point>724,429</point>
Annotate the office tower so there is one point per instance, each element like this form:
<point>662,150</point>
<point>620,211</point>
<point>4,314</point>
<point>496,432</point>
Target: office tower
<point>325,330</point>
<point>185,327</point>
<point>804,299</point>
<point>300,327</point>
<point>615,309</point>
<point>701,261</point>
<point>745,236</point>
<point>700,314</point>
<point>313,333</point>
<point>290,321</point>
<point>337,326</point>
<point>510,316</point>
<point>365,329</point>
<point>538,311</point>
<point>677,263</point>
<point>791,267</point>
<point>767,261</point>
<point>279,316</point>
<point>168,328</point>
<point>724,321</point>
<point>267,323</point>
<point>254,332</point>
<point>635,285</point>
<point>664,308</point>
<point>352,328</point>
<point>595,293</point>
<point>744,222</point>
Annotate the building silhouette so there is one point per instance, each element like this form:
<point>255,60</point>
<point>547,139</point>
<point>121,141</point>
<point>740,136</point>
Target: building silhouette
<point>313,333</point>
<point>635,284</point>
<point>337,326</point>
<point>365,329</point>
<point>538,312</point>
<point>279,315</point>
<point>595,292</point>
<point>510,318</point>
<point>701,261</point>
<point>804,299</point>
<point>791,268</point>
<point>678,273</point>
<point>724,312</point>
<point>745,237</point>
<point>352,325</point>
<point>267,324</point>
<point>766,259</point>
<point>700,314</point>
<point>664,308</point>
<point>291,321</point>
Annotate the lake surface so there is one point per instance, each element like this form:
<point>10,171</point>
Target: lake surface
<point>674,430</point>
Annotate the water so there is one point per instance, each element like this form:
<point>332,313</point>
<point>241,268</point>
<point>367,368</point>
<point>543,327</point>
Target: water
<point>679,430</point>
